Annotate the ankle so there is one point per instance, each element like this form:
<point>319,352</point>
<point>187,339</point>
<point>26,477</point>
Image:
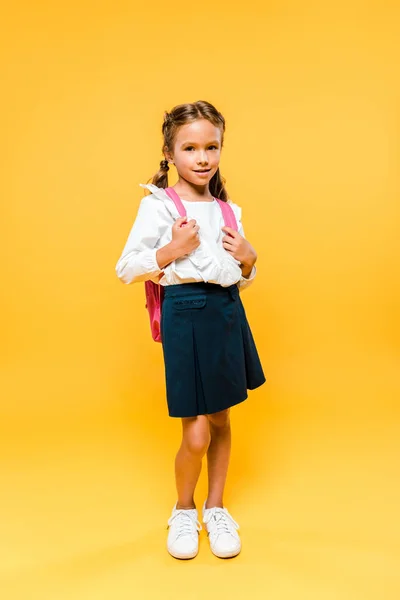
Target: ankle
<point>185,506</point>
<point>209,504</point>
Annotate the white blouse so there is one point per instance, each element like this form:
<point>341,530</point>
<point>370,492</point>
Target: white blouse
<point>152,229</point>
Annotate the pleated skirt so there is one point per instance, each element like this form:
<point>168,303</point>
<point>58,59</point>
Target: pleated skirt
<point>210,356</point>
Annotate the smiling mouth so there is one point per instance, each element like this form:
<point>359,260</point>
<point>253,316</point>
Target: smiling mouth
<point>202,170</point>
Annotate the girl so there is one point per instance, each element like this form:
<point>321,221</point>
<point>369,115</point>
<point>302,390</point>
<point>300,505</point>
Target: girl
<point>209,352</point>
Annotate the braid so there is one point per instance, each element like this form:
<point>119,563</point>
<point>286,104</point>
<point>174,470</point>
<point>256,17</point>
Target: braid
<point>164,165</point>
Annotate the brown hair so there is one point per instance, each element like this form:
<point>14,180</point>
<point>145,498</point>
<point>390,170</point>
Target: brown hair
<point>180,115</point>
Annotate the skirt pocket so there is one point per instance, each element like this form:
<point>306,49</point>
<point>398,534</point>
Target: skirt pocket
<point>189,302</point>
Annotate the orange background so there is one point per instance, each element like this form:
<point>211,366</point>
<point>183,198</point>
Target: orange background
<point>310,94</point>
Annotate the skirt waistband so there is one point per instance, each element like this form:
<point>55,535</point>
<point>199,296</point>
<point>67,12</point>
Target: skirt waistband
<point>192,288</point>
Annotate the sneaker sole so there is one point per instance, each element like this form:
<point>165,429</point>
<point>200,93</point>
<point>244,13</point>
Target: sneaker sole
<point>226,554</point>
<point>183,556</point>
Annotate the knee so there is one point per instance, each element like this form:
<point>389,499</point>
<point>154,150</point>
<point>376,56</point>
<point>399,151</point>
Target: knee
<point>198,440</point>
<point>220,419</point>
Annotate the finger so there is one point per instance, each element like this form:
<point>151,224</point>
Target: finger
<point>229,242</point>
<point>228,238</point>
<point>229,231</point>
<point>229,248</point>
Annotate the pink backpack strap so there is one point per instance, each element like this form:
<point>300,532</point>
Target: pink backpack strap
<point>228,214</point>
<point>178,202</point>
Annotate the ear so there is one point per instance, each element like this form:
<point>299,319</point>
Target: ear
<point>168,155</point>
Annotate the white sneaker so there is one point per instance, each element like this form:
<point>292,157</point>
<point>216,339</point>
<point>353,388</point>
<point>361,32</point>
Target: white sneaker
<point>183,535</point>
<point>222,531</point>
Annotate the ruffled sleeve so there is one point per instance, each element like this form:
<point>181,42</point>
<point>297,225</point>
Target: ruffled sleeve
<point>138,259</point>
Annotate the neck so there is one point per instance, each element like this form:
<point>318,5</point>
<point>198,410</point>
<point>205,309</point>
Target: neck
<point>186,189</point>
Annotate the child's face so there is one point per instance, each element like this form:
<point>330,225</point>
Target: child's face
<point>197,146</point>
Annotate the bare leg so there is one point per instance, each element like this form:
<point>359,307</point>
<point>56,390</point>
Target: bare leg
<point>188,462</point>
<point>218,456</point>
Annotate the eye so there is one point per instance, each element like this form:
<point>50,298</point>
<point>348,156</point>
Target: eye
<point>212,146</point>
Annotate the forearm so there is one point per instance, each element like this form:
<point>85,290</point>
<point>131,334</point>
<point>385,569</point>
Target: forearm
<point>167,254</point>
<point>246,270</point>
<point>249,271</point>
<point>247,266</point>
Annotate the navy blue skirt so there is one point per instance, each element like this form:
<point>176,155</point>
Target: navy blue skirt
<point>210,356</point>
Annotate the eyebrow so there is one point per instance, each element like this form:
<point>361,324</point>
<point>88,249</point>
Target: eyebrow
<point>194,143</point>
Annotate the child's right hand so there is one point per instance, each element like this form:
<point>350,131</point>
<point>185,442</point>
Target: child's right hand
<point>185,235</point>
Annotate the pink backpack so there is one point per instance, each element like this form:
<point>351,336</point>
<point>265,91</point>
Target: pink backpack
<point>154,291</point>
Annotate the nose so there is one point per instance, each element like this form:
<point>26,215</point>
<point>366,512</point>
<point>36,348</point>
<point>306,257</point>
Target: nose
<point>202,159</point>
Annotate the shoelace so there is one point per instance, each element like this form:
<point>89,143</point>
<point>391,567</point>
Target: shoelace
<point>185,522</point>
<point>221,520</point>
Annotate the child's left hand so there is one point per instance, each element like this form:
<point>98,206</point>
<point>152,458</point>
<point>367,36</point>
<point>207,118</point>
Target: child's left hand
<point>238,247</point>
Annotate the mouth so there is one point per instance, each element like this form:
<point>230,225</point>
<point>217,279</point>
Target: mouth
<point>202,171</point>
